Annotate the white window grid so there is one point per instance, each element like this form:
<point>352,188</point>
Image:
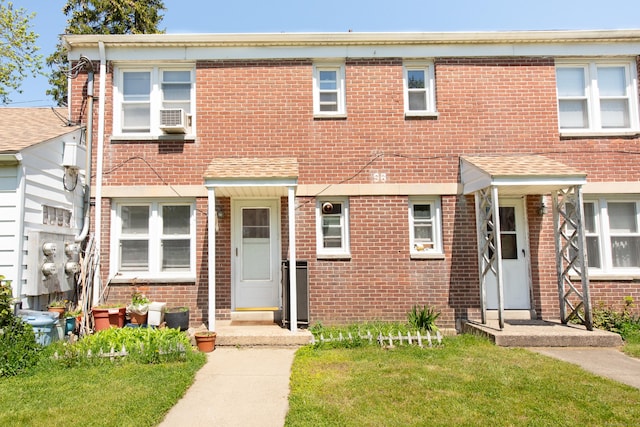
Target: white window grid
<point>156,100</point>
<point>320,106</point>
<point>419,246</point>
<point>154,237</point>
<point>344,249</point>
<point>428,90</point>
<point>593,99</point>
<point>604,235</point>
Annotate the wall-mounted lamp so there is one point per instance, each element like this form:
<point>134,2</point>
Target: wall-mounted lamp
<point>542,209</point>
<point>219,212</point>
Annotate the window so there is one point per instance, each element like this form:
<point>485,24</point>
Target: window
<point>419,89</point>
<point>329,90</point>
<point>597,97</point>
<point>332,219</point>
<point>144,96</point>
<point>424,227</point>
<point>613,235</point>
<point>154,239</point>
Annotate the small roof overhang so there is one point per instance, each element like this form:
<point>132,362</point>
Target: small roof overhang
<point>252,177</point>
<point>517,175</point>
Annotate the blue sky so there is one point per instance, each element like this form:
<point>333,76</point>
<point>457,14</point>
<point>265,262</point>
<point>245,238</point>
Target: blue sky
<point>275,16</point>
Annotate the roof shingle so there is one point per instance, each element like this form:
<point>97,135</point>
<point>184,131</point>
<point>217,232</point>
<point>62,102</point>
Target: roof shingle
<point>23,127</point>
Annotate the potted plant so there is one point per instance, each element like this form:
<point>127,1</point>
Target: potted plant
<point>177,317</point>
<point>58,306</point>
<point>108,315</point>
<point>139,308</point>
<point>206,341</point>
<point>72,320</point>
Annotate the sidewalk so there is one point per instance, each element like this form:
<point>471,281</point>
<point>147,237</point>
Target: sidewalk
<point>605,362</point>
<point>246,386</point>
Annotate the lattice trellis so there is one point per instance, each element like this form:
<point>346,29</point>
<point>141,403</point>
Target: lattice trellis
<point>571,257</point>
<point>489,250</point>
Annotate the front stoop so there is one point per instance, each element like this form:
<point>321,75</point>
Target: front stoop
<point>234,334</point>
<point>542,333</point>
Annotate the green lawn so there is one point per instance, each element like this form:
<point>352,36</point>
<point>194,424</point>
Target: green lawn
<point>468,381</point>
<point>127,394</point>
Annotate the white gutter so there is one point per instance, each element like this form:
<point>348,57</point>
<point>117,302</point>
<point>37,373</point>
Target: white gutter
<point>17,289</point>
<point>351,38</point>
<point>99,166</point>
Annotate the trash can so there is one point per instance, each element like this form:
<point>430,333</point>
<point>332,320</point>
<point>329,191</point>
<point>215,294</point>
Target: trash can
<point>44,324</point>
<point>302,293</point>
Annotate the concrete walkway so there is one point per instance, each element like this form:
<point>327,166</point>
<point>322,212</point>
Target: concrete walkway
<point>245,386</point>
<point>605,362</point>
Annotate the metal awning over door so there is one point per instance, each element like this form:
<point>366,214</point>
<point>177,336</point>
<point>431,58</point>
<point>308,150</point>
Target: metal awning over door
<point>491,177</point>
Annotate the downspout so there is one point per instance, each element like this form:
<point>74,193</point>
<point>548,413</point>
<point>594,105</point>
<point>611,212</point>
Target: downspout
<point>87,176</point>
<point>99,166</point>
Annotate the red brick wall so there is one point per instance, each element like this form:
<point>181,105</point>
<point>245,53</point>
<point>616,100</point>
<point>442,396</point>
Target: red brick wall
<point>265,109</point>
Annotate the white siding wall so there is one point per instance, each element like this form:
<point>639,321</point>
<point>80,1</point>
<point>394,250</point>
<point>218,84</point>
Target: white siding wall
<point>9,222</point>
<point>44,185</point>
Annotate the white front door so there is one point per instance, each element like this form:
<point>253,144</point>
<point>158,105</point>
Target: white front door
<point>515,271</point>
<point>256,254</point>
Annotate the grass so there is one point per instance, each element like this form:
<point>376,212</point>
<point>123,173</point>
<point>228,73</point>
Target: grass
<point>468,381</point>
<point>124,394</point>
<point>632,342</point>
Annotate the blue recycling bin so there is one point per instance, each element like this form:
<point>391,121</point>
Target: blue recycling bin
<point>43,324</point>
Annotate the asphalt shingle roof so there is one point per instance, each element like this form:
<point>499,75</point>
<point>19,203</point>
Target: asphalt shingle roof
<point>245,168</point>
<point>23,127</point>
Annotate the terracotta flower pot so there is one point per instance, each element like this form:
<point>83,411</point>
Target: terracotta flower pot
<point>104,318</point>
<point>138,319</point>
<point>206,341</point>
<point>59,310</point>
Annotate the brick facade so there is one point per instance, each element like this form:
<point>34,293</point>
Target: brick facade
<point>264,108</point>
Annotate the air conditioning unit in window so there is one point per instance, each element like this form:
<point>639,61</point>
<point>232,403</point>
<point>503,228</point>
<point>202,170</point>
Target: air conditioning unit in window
<point>175,120</point>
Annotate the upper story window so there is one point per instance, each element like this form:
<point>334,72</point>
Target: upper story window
<point>153,101</point>
<point>424,227</point>
<point>332,233</point>
<point>419,89</point>
<point>612,230</point>
<point>153,239</point>
<point>597,97</point>
<point>329,90</point>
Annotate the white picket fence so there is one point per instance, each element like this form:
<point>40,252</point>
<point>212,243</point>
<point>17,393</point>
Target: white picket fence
<point>112,354</point>
<point>389,340</point>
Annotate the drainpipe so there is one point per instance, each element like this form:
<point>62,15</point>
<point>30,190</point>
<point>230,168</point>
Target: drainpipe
<point>87,176</point>
<point>99,166</point>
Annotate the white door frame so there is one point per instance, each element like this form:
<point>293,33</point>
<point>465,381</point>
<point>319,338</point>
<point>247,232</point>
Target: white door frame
<point>521,269</point>
<point>276,248</point>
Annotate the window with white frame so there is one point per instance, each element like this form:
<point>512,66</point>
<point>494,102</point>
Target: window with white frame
<point>154,239</point>
<point>332,234</point>
<point>612,229</point>
<point>597,96</point>
<point>153,101</point>
<point>424,226</point>
<point>419,89</point>
<point>329,90</point>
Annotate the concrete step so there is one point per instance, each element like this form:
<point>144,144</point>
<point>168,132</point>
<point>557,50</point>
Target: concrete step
<point>231,333</point>
<point>542,333</point>
<point>262,317</point>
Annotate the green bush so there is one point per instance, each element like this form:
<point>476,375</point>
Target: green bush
<point>18,347</point>
<point>6,298</point>
<point>423,318</point>
<point>619,321</point>
<point>142,345</point>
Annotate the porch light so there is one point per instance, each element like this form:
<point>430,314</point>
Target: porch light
<point>542,209</point>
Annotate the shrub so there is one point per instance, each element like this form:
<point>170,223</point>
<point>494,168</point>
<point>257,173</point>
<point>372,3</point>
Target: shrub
<point>142,345</point>
<point>423,318</point>
<point>6,298</point>
<point>18,347</point>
